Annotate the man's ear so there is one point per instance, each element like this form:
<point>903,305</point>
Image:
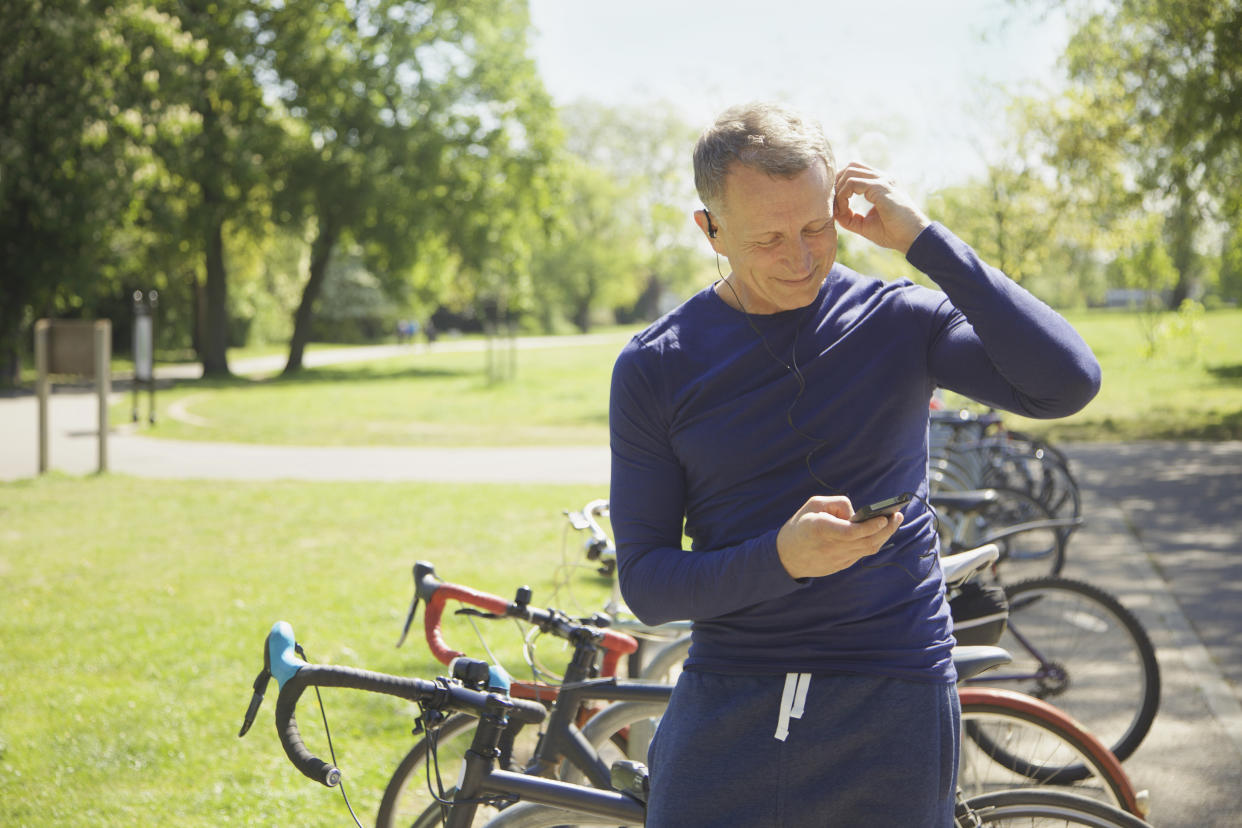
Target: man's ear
<point>709,227</point>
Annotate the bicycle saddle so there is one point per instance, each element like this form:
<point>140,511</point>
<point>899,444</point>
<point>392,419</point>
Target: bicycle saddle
<point>960,567</point>
<point>970,661</point>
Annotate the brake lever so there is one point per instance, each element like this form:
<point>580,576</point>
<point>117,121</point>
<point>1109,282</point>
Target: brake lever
<point>409,616</point>
<point>260,688</point>
<point>476,613</point>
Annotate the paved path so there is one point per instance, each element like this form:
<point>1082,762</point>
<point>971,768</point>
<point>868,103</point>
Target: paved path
<point>1173,558</point>
<point>1163,534</point>
<point>74,439</point>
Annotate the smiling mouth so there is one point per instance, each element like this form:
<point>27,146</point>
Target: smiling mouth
<point>801,281</point>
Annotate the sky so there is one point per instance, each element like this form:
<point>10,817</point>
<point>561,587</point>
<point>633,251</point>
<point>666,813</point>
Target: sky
<point>909,86</point>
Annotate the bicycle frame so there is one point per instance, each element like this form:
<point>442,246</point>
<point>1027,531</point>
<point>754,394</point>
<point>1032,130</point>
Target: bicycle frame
<point>481,781</point>
<point>1046,668</point>
<point>562,738</point>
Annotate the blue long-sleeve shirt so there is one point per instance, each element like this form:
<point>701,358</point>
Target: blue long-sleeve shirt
<point>708,426</point>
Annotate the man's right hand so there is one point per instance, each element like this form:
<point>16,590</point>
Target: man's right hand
<point>820,539</point>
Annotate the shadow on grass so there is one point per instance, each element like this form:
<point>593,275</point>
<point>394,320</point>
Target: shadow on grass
<point>1211,426</point>
<point>327,374</point>
<point>1227,373</point>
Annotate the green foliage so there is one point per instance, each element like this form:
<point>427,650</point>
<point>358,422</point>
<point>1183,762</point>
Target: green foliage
<point>1150,123</point>
<point>77,128</point>
<point>593,260</point>
<point>645,151</point>
<point>411,127</point>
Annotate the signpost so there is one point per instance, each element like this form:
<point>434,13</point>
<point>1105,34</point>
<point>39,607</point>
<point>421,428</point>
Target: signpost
<point>71,346</point>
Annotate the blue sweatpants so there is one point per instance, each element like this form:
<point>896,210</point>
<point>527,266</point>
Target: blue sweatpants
<point>856,751</point>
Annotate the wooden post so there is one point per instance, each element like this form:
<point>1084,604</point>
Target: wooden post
<point>42,384</point>
<point>103,384</point>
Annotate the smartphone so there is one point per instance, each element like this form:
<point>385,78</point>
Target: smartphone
<point>883,507</point>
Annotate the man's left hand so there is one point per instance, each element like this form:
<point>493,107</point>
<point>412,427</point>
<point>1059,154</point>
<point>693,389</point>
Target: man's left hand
<point>894,221</point>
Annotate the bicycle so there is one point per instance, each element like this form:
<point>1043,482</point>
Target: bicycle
<point>1077,645</point>
<point>548,801</point>
<point>1034,734</point>
<point>561,745</point>
<point>1032,541</point>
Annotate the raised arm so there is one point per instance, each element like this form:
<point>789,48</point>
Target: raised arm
<point>1005,347</point>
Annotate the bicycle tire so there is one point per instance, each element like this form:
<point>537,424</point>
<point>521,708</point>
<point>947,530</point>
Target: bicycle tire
<point>1012,740</point>
<point>1022,808</point>
<point>666,662</point>
<point>607,723</point>
<point>1091,649</point>
<point>1041,808</point>
<point>1038,550</point>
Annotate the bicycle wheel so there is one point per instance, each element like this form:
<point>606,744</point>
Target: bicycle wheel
<point>408,799</point>
<point>1011,740</point>
<point>1026,554</point>
<point>613,731</point>
<point>1038,808</point>
<point>1075,645</point>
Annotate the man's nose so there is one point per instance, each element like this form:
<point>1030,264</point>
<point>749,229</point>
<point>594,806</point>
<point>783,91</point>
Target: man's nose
<point>799,255</point>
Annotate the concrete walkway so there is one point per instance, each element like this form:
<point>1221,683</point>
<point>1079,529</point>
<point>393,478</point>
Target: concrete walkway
<point>74,438</point>
<point>1163,534</point>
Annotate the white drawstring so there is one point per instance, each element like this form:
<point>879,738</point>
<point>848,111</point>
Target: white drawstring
<point>793,702</point>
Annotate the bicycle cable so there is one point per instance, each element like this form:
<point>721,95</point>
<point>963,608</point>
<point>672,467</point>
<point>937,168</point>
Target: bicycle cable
<point>437,793</point>
<point>323,712</point>
<point>820,442</point>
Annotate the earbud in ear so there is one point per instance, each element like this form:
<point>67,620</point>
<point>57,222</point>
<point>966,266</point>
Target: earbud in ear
<point>711,228</point>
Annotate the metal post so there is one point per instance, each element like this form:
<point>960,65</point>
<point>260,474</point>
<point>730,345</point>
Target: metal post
<point>144,350</point>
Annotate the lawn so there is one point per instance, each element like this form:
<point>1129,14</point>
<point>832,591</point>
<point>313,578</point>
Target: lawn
<point>1192,388</point>
<point>135,613</point>
<point>558,396</point>
<point>135,610</point>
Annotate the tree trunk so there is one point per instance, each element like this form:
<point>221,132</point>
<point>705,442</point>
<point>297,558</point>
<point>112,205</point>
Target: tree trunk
<point>10,361</point>
<point>216,341</point>
<point>1181,238</point>
<point>303,319</point>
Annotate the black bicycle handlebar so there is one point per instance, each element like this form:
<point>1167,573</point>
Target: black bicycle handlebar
<point>295,675</point>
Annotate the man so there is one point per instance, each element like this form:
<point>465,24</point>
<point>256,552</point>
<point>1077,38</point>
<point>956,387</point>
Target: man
<point>758,416</point>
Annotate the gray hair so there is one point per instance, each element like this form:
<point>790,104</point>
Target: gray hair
<point>768,137</point>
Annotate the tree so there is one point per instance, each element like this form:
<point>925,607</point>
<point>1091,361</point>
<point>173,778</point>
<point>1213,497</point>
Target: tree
<point>1155,105</point>
<point>76,121</point>
<point>412,127</point>
<point>647,151</point>
<point>221,166</point>
<point>593,258</point>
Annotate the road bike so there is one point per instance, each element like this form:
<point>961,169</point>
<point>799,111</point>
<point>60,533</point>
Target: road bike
<point>545,801</point>
<point>1029,735</point>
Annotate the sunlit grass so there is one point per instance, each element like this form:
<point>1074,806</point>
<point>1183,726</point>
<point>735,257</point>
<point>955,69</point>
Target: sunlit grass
<point>556,396</point>
<point>1191,388</point>
<point>135,612</point>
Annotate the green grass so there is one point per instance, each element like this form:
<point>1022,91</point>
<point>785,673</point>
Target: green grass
<point>1191,389</point>
<point>134,617</point>
<point>559,396</point>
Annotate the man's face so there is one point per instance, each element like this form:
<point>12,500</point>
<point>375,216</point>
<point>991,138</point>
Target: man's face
<point>778,235</point>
